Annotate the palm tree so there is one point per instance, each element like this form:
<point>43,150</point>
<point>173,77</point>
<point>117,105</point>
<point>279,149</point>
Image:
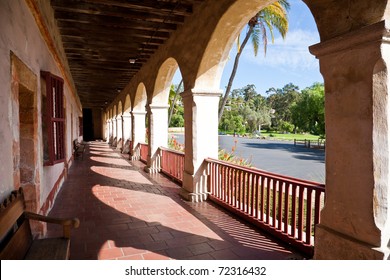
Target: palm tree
<point>272,16</point>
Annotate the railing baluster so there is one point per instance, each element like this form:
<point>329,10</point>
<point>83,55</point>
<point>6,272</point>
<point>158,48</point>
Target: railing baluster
<point>309,209</point>
<point>280,204</point>
<point>300,213</point>
<point>230,185</point>
<point>286,206</point>
<point>247,191</point>
<point>253,194</point>
<point>317,207</point>
<point>263,183</point>
<point>294,210</point>
<point>214,179</point>
<point>240,200</point>
<point>257,200</point>
<point>267,212</point>
<point>274,194</point>
<point>243,190</point>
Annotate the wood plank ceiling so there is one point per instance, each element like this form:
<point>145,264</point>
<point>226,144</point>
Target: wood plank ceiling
<point>100,36</point>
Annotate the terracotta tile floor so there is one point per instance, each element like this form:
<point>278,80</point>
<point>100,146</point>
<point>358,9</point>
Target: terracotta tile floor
<point>126,213</point>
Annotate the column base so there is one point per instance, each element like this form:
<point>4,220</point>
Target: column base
<point>332,245</point>
<point>134,157</point>
<point>193,197</point>
<point>194,187</point>
<point>151,170</point>
<point>153,165</point>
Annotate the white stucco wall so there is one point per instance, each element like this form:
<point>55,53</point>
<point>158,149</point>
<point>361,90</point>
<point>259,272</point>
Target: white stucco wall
<point>20,35</point>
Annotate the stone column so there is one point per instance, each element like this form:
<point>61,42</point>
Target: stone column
<point>201,140</point>
<point>126,120</point>
<point>105,129</point>
<point>114,132</point>
<point>119,133</point>
<point>126,126</point>
<point>158,135</point>
<point>110,136</point>
<point>138,133</point>
<point>355,220</point>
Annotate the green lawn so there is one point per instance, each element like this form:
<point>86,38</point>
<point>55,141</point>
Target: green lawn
<point>281,136</point>
<point>290,136</point>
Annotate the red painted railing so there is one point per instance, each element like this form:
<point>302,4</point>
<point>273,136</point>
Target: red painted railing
<point>286,207</point>
<point>144,150</point>
<point>172,163</point>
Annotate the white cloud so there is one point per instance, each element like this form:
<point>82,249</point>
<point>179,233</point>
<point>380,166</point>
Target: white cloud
<point>291,53</point>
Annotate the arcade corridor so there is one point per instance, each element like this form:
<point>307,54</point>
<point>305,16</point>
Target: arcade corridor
<point>126,213</point>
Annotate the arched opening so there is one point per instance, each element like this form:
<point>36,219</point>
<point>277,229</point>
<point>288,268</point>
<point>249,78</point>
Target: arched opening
<point>157,113</point>
<point>269,99</point>
<point>119,123</point>
<point>176,127</point>
<point>126,119</point>
<point>114,126</point>
<point>138,121</point>
<point>208,82</point>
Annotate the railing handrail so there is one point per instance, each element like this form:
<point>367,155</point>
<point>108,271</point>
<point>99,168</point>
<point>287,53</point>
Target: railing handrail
<point>302,182</point>
<point>171,150</point>
<point>172,163</point>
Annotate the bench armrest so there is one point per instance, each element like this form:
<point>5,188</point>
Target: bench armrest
<point>67,224</point>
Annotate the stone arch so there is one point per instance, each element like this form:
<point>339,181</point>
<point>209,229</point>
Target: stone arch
<point>216,53</point>
<point>163,81</point>
<point>126,117</point>
<point>119,126</point>
<point>114,126</point>
<point>127,104</point>
<point>120,109</point>
<point>140,98</point>
<point>114,111</point>
<point>350,15</point>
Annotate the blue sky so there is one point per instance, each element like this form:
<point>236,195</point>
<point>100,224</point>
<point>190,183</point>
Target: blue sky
<point>286,61</point>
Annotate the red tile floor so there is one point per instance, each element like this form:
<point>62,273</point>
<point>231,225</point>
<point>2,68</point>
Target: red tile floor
<point>126,213</point>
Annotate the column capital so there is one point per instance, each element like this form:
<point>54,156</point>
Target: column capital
<point>378,32</point>
<point>202,92</point>
<point>156,106</point>
<point>138,113</point>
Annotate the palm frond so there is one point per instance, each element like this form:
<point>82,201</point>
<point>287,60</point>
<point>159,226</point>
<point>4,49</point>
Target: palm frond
<point>255,38</point>
<point>271,17</point>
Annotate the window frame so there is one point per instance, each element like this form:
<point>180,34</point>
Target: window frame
<point>55,119</point>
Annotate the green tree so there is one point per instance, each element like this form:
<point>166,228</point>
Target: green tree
<point>246,110</point>
<point>281,101</point>
<point>264,22</point>
<point>308,113</point>
<point>176,110</point>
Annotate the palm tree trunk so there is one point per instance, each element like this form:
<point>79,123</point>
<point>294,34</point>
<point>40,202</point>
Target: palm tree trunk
<point>233,74</point>
<point>174,102</point>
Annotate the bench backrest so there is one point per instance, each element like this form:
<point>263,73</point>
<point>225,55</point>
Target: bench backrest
<point>75,144</point>
<point>15,231</point>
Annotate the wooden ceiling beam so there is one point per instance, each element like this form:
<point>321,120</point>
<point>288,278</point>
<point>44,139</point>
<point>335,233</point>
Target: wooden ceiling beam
<point>112,22</point>
<point>100,36</point>
<point>81,29</point>
<point>92,38</point>
<point>182,8</point>
<point>115,11</point>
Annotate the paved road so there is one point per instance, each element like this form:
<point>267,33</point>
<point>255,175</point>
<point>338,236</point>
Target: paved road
<point>280,157</point>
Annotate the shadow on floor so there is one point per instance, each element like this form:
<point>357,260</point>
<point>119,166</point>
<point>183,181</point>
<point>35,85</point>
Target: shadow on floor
<point>128,214</point>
